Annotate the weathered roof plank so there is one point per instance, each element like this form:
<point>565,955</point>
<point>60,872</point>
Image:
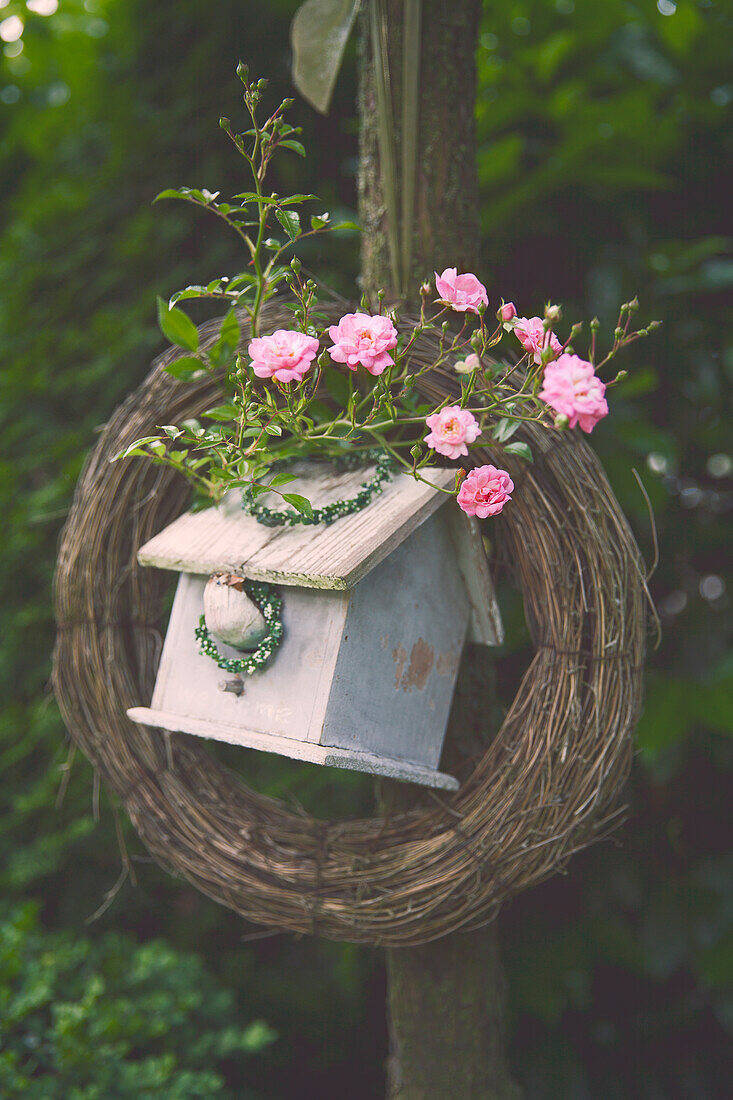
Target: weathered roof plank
<point>334,556</point>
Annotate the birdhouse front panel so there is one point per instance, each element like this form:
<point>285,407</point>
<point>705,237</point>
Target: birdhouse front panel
<point>375,609</point>
<point>191,685</point>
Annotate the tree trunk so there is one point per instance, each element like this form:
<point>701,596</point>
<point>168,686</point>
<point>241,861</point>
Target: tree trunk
<point>446,1020</point>
<point>445,999</point>
<point>445,225</point>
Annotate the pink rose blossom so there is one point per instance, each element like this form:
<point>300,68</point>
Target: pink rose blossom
<point>450,430</point>
<point>284,356</point>
<point>361,339</point>
<point>572,389</point>
<point>463,293</point>
<point>530,332</point>
<point>485,491</point>
<point>507,312</point>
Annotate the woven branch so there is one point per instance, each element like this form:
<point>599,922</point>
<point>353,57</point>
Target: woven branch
<point>548,785</point>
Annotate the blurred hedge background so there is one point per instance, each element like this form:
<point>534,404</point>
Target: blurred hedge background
<point>605,140</point>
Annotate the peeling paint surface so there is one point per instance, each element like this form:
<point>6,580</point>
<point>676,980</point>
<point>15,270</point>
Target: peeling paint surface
<point>393,700</point>
<point>399,653</point>
<point>422,659</point>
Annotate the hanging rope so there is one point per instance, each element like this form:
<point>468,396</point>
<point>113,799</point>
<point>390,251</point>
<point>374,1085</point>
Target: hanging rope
<point>319,33</point>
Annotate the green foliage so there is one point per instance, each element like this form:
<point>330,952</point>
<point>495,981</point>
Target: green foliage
<point>107,1020</point>
<point>605,159</point>
<point>112,99</point>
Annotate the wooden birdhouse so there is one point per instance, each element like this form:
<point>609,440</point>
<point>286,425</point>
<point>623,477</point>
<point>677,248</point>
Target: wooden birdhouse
<point>375,610</point>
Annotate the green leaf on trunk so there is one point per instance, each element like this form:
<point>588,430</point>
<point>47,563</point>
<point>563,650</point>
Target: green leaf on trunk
<point>319,33</point>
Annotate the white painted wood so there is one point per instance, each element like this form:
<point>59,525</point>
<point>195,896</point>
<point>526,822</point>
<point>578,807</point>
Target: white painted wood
<point>335,556</point>
<point>231,616</point>
<point>485,625</point>
<point>297,750</point>
<point>288,698</point>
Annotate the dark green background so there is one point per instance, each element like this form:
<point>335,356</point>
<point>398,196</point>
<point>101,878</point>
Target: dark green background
<point>605,168</point>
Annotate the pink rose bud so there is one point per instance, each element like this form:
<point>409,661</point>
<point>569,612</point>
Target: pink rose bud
<point>485,491</point>
<point>463,293</point>
<point>284,356</point>
<point>359,339</point>
<point>552,313</point>
<point>572,389</point>
<point>450,430</point>
<point>507,312</point>
<point>530,331</point>
<point>467,365</point>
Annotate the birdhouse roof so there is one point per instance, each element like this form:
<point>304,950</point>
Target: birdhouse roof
<point>333,556</point>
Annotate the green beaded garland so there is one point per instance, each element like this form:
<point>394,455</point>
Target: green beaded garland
<point>270,604</point>
<point>270,517</point>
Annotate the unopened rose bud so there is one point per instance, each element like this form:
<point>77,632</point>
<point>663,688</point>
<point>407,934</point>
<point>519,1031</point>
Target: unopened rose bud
<point>426,289</point>
<point>552,313</point>
<point>507,312</point>
<point>621,375</point>
<point>595,325</point>
<point>562,421</point>
<point>467,365</point>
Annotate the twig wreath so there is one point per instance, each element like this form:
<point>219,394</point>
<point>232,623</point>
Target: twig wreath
<point>547,786</point>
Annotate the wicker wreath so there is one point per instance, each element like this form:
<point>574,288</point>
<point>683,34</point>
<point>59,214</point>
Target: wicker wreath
<point>547,786</point>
